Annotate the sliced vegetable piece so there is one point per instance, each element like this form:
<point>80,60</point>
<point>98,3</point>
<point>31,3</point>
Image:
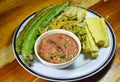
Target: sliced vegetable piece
<point>105,33</point>
<point>71,12</point>
<point>95,29</point>
<point>81,14</point>
<point>94,54</point>
<point>94,47</point>
<point>88,47</point>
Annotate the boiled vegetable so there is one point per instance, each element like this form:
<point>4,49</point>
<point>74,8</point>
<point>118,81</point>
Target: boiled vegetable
<point>94,47</point>
<point>94,54</point>
<point>91,44</point>
<point>70,18</point>
<point>71,12</point>
<point>104,31</point>
<point>33,32</point>
<point>88,47</point>
<point>81,14</point>
<point>95,29</point>
<point>74,12</point>
<point>37,16</point>
<point>98,30</point>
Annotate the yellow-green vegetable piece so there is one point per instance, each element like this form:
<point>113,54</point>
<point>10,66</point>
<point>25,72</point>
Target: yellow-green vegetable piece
<point>104,31</point>
<point>71,12</point>
<point>81,14</point>
<point>88,47</point>
<point>92,46</point>
<point>95,28</point>
<point>94,54</point>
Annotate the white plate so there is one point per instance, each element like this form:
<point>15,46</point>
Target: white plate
<point>82,68</point>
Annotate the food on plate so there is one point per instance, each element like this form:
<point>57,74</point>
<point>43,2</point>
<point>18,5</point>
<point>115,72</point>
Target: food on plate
<point>70,22</point>
<point>71,12</point>
<point>81,14</point>
<point>98,30</point>
<point>90,44</point>
<point>94,54</point>
<point>30,23</point>
<point>57,48</point>
<point>92,32</point>
<point>33,32</point>
<point>96,34</point>
<point>104,31</point>
<point>94,27</point>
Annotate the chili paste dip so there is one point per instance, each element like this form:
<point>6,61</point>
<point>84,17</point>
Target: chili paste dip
<point>57,48</point>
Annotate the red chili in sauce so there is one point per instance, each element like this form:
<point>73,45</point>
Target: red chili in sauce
<point>57,48</point>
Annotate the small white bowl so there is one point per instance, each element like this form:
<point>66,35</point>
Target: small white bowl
<point>61,65</point>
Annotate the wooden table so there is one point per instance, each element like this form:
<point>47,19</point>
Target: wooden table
<point>11,19</point>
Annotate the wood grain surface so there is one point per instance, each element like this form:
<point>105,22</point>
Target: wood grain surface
<point>11,18</point>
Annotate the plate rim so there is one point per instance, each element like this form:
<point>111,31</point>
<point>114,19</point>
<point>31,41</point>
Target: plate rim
<point>71,79</point>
